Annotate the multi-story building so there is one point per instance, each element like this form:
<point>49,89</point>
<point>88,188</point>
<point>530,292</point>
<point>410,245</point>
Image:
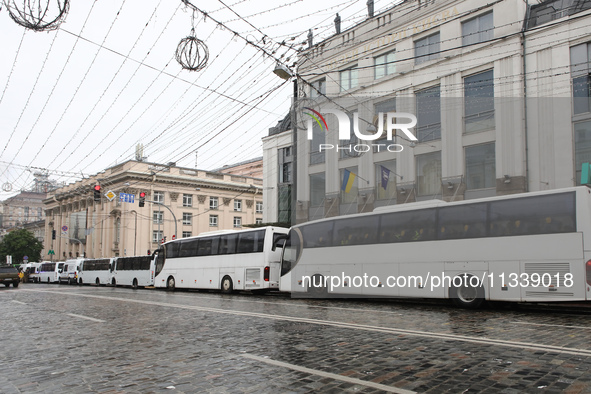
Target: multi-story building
<point>500,91</point>
<point>25,207</point>
<point>178,201</point>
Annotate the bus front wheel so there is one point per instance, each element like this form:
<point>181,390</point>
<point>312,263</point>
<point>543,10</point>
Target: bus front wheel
<point>227,286</point>
<point>98,282</point>
<point>113,282</point>
<point>466,292</point>
<point>170,283</point>
<point>134,284</point>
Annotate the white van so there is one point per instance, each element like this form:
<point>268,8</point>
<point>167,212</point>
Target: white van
<point>34,269</point>
<point>97,271</point>
<point>69,273</point>
<point>50,272</point>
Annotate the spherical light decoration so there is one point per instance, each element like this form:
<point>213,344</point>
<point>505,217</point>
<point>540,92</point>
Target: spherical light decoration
<point>39,15</point>
<point>192,53</point>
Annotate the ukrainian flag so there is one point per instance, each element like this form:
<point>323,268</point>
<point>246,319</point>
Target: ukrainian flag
<point>348,179</point>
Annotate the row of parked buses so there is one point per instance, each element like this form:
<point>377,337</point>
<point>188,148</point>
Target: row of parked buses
<point>133,271</point>
<point>529,247</point>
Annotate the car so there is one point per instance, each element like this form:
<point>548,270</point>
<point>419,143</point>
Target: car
<point>8,275</point>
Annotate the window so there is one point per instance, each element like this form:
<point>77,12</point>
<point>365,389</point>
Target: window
<point>429,174</point>
<point>187,200</point>
<point>357,231</point>
<point>208,246</point>
<point>317,235</point>
<point>251,242</point>
<point>317,189</point>
<point>187,218</point>
<point>228,244</point>
<point>478,29</point>
<point>213,203</point>
<point>237,205</point>
<point>189,248</point>
<point>580,68</point>
<point>480,166</point>
<point>159,197</point>
<point>213,220</point>
<point>384,65</point>
<point>26,213</point>
<point>463,221</point>
<point>318,86</point>
<point>284,204</point>
<point>346,147</point>
<point>39,213</point>
<point>318,138</point>
<point>349,78</point>
<point>156,236</point>
<point>427,48</point>
<point>428,114</point>
<point>351,174</point>
<point>259,207</point>
<point>285,165</point>
<point>158,217</point>
<point>582,147</point>
<point>384,107</point>
<point>258,221</point>
<point>409,226</point>
<point>386,180</point>
<point>479,102</point>
<point>187,234</point>
<point>237,222</point>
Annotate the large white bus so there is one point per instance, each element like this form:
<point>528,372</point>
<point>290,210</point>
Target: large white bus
<point>97,271</point>
<point>232,260</point>
<point>133,271</point>
<point>49,272</point>
<point>530,247</point>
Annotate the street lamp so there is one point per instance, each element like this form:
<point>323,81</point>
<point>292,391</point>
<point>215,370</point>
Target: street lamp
<point>285,73</point>
<point>159,203</point>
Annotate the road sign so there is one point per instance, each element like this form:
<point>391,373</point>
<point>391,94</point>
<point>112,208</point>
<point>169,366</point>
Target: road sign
<point>51,252</point>
<point>64,228</point>
<point>110,195</point>
<point>25,258</point>
<point>126,197</point>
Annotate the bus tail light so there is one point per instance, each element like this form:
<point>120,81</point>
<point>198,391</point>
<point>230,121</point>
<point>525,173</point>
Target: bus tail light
<point>267,269</point>
<point>588,271</point>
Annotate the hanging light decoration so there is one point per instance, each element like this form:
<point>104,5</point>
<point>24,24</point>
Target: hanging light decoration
<point>38,15</point>
<point>192,53</point>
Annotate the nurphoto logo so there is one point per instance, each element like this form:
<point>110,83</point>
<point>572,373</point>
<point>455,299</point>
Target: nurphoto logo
<point>344,128</point>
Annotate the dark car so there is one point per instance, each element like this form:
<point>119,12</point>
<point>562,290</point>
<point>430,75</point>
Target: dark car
<point>9,275</point>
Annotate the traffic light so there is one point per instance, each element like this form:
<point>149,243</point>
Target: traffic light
<point>149,254</point>
<point>97,193</point>
<point>52,234</point>
<point>142,199</point>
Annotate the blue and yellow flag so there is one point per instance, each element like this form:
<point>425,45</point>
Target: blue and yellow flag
<point>348,179</point>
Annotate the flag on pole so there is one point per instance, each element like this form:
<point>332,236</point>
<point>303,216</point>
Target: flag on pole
<point>385,177</point>
<point>348,178</point>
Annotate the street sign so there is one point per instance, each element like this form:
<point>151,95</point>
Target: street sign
<point>64,228</point>
<point>25,258</point>
<point>126,197</point>
<point>110,195</point>
<point>51,252</point>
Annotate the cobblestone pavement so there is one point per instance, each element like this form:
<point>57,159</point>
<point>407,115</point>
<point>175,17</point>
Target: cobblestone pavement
<point>70,339</point>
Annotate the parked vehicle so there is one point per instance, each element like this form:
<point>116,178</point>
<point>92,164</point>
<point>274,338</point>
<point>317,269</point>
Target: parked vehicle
<point>96,271</point>
<point>8,275</point>
<point>50,271</point>
<point>70,271</point>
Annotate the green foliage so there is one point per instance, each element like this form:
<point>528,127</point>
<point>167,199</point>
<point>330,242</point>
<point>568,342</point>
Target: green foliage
<point>20,243</point>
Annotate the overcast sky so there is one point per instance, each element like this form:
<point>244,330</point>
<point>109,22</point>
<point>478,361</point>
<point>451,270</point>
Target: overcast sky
<point>79,99</point>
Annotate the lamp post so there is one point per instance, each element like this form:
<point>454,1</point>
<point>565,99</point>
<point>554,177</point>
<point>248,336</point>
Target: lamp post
<point>159,203</point>
<point>285,73</point>
<point>134,232</point>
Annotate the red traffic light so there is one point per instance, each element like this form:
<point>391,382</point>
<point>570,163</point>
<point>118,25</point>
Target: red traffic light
<point>142,194</point>
<point>97,188</point>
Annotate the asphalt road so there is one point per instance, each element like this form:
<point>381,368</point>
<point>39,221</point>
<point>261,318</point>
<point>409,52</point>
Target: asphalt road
<point>71,339</point>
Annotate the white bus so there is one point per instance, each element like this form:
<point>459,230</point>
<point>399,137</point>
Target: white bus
<point>50,272</point>
<point>232,260</point>
<point>97,271</point>
<point>530,247</point>
<point>69,273</point>
<point>133,271</point>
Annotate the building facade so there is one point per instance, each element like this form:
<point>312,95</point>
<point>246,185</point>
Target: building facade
<point>179,202</point>
<point>25,207</point>
<point>500,92</point>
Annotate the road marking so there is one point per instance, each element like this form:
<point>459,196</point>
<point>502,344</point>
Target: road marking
<point>334,376</point>
<point>551,325</point>
<point>386,330</point>
<point>86,317</point>
<point>19,302</point>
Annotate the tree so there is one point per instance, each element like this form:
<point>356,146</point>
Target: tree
<point>20,243</point>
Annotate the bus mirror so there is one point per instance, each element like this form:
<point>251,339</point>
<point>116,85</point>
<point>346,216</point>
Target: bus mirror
<point>279,241</point>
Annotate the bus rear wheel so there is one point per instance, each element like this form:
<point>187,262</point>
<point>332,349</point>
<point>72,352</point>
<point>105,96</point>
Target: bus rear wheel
<point>113,282</point>
<point>134,284</point>
<point>227,286</point>
<point>97,281</point>
<point>170,285</point>
<point>469,294</point>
